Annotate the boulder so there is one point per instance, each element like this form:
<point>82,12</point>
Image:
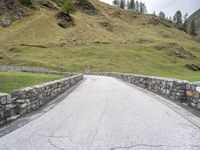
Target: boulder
<point>5,22</point>
<point>66,19</point>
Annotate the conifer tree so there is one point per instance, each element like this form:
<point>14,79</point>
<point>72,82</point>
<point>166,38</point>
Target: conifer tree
<point>185,24</point>
<point>193,28</point>
<point>116,2</point>
<point>178,18</point>
<point>162,15</point>
<point>154,13</point>
<point>141,7</point>
<point>132,5</point>
<point>122,4</point>
<point>137,6</point>
<point>128,4</point>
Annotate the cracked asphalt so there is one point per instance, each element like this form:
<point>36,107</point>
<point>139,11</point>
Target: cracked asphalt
<point>104,113</point>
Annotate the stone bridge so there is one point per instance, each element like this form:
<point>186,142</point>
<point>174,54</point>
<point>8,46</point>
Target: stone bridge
<point>102,111</point>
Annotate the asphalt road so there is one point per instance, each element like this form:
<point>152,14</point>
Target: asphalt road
<point>106,114</point>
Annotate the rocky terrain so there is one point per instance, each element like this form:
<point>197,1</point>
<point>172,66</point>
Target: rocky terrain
<point>196,17</point>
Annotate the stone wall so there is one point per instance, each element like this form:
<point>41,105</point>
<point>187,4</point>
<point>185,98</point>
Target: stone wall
<point>193,94</point>
<point>34,70</point>
<point>29,99</point>
<point>178,90</point>
<point>5,107</point>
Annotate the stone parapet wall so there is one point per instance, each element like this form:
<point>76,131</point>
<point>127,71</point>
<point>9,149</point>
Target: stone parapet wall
<point>193,94</point>
<point>178,90</point>
<point>5,107</point>
<point>34,70</point>
<point>29,99</point>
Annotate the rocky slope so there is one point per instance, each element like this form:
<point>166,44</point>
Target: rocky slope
<point>196,16</point>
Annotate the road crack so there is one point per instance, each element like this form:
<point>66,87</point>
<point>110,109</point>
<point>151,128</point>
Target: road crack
<point>137,145</point>
<point>152,146</point>
<point>57,137</point>
<point>52,137</point>
<point>54,145</point>
<point>98,125</point>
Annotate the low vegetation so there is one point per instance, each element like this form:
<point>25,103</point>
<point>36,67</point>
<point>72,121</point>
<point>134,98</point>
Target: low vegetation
<point>26,2</point>
<point>14,80</point>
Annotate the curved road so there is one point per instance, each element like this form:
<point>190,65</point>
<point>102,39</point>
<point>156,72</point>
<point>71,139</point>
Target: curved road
<point>104,113</point>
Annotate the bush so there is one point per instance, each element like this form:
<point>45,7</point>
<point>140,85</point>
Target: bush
<point>68,6</point>
<point>26,2</point>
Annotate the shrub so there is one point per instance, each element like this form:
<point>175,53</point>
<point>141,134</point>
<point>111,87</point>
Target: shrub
<point>26,2</point>
<point>68,6</point>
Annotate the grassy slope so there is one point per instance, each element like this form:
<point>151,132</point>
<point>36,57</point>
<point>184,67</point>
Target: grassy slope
<point>14,80</point>
<point>75,48</point>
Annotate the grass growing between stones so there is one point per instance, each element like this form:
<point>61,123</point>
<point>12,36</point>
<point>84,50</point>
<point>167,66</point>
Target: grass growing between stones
<point>10,81</point>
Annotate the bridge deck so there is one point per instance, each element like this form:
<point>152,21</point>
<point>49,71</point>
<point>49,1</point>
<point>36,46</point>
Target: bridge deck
<point>106,114</point>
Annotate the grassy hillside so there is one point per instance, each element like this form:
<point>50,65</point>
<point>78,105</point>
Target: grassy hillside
<point>110,40</point>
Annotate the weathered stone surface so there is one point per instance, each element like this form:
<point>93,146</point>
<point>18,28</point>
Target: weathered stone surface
<point>5,22</point>
<point>198,105</point>
<point>66,20</point>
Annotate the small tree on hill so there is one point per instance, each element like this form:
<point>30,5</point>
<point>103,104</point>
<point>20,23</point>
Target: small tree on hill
<point>162,15</point>
<point>185,24</point>
<point>68,7</point>
<point>26,2</point>
<point>137,6</point>
<point>193,28</point>
<point>132,5</point>
<point>178,19</point>
<point>116,2</point>
<point>122,4</point>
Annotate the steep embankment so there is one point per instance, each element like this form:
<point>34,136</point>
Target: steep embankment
<point>103,38</point>
<point>196,17</point>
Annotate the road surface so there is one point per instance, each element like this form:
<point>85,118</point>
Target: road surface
<point>104,113</point>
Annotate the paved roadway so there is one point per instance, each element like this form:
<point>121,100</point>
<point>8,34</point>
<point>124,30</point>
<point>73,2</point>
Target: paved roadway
<point>106,114</point>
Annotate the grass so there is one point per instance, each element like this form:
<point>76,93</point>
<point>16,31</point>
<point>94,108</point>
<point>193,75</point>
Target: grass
<point>129,58</point>
<point>11,81</point>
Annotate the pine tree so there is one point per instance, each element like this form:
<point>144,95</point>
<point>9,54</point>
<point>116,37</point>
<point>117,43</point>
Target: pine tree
<point>141,7</point>
<point>137,6</point>
<point>122,4</point>
<point>178,18</point>
<point>162,15</point>
<point>193,28</point>
<point>144,8</point>
<point>185,17</point>
<point>128,4</point>
<point>154,13</point>
<point>185,24</point>
<point>132,5</point>
<point>116,2</point>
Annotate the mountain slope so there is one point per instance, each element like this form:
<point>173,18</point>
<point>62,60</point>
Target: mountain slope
<point>196,17</point>
<point>111,39</point>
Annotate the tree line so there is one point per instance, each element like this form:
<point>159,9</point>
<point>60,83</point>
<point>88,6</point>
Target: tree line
<point>133,5</point>
<point>181,22</point>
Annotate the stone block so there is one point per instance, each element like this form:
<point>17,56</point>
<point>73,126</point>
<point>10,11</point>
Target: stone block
<point>193,105</point>
<point>198,105</point>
